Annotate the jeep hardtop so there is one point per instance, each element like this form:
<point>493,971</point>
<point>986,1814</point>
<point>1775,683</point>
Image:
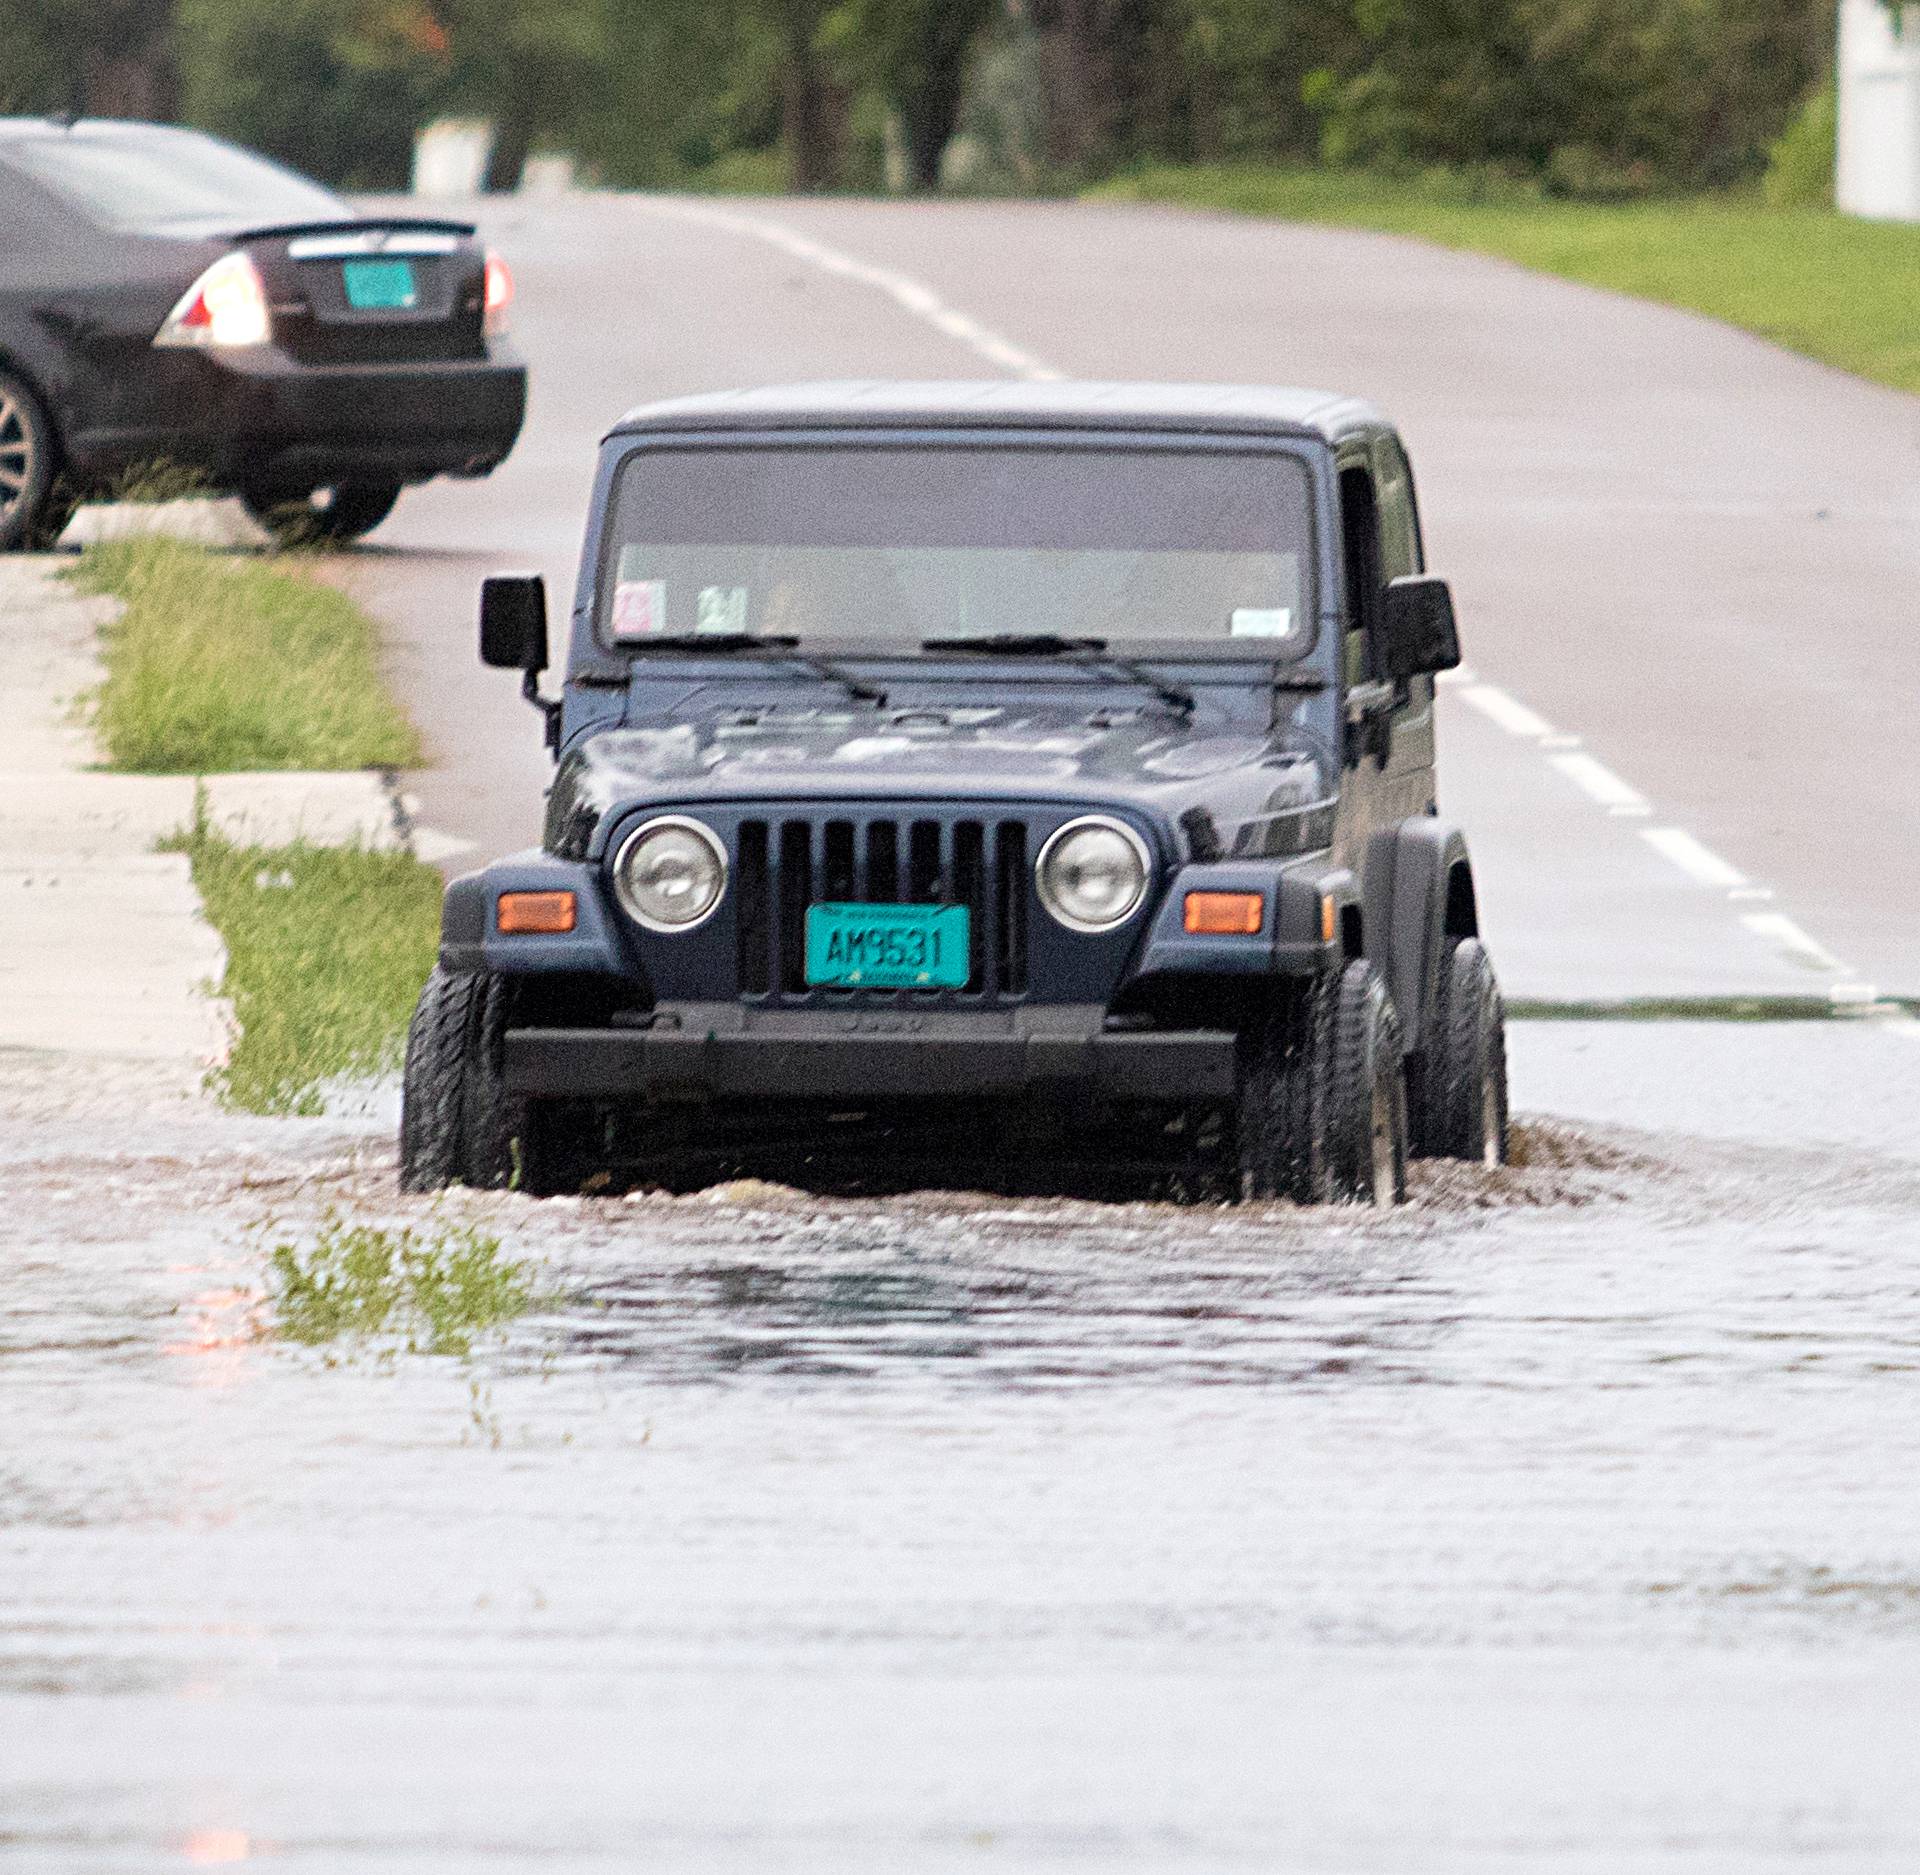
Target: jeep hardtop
<point>1035,769</point>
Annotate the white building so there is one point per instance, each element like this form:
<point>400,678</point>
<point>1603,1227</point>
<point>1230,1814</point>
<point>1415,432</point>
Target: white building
<point>1878,172</point>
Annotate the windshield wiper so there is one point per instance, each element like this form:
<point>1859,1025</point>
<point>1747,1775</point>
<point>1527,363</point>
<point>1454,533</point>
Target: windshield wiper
<point>1088,653</point>
<point>773,646</point>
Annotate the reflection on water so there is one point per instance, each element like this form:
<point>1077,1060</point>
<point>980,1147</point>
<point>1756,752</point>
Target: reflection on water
<point>973,1309</point>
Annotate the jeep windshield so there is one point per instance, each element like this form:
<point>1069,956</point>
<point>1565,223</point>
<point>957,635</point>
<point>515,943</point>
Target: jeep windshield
<point>898,545</point>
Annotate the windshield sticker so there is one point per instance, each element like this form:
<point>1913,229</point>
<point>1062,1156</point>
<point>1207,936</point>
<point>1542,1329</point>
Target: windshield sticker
<point>721,609</point>
<point>1261,622</point>
<point>639,608</point>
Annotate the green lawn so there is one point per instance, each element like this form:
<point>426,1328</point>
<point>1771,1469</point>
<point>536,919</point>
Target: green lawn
<point>227,662</point>
<point>1840,290</point>
<point>326,950</point>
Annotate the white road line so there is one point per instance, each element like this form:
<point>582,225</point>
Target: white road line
<point>1862,996</point>
<point>1700,863</point>
<point>912,295</point>
<point>1777,929</point>
<point>1601,783</point>
<point>1509,712</point>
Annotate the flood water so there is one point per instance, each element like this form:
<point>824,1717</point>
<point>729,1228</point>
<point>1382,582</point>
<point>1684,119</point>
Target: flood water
<point>1567,1520</point>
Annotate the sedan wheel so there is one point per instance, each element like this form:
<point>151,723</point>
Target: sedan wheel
<point>26,465</point>
<point>324,516</point>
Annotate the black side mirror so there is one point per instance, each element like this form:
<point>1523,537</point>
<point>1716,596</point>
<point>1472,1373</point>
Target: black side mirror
<point>1419,629</point>
<point>513,622</point>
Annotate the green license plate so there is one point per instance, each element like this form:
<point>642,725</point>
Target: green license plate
<point>380,285</point>
<point>887,947</point>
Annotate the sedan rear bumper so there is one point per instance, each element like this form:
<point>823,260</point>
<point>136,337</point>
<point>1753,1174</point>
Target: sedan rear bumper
<point>261,420</point>
<point>609,1064</point>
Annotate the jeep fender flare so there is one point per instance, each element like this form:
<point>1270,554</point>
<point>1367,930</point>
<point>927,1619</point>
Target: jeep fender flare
<point>1419,893</point>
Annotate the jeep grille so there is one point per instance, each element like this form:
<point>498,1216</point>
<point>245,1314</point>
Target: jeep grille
<point>782,866</point>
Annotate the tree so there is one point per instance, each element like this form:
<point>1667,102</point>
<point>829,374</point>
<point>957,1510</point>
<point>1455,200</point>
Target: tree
<point>98,58</point>
<point>915,54</point>
<point>526,66</point>
<point>334,87</point>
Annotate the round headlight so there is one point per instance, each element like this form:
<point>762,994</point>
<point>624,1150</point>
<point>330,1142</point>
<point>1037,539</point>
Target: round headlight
<point>670,873</point>
<point>1092,874</point>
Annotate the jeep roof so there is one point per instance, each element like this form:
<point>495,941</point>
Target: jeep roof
<point>1000,404</point>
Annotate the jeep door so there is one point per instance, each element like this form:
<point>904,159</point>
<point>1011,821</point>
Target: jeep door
<point>1387,766</point>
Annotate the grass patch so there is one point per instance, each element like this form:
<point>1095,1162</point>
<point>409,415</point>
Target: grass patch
<point>1708,1009</point>
<point>1820,283</point>
<point>150,483</point>
<point>221,663</point>
<point>326,950</point>
<point>355,1281</point>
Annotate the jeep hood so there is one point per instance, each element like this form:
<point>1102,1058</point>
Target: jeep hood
<point>1222,789</point>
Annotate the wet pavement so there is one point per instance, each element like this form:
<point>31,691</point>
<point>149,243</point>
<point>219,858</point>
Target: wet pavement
<point>1568,1519</point>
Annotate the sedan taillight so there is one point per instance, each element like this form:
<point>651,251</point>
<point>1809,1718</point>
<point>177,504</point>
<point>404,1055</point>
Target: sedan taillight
<point>499,293</point>
<point>226,306</point>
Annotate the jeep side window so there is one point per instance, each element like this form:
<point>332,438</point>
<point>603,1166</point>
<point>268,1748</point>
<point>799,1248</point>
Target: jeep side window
<point>1399,526</point>
<point>1360,547</point>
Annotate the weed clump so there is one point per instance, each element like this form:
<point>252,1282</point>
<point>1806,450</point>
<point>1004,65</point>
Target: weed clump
<point>354,1281</point>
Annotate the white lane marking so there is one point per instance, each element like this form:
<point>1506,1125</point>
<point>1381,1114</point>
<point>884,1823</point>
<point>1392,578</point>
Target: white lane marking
<point>1509,712</point>
<point>1598,781</point>
<point>1777,929</point>
<point>913,296</point>
<point>1700,863</point>
<point>1853,995</point>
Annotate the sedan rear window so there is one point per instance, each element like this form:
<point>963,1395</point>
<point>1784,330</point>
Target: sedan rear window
<point>958,541</point>
<point>158,181</point>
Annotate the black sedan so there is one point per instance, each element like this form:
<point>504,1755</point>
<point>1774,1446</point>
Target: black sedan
<point>169,299</point>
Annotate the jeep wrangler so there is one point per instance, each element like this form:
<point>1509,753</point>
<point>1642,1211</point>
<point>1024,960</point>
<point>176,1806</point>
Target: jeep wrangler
<point>1038,770</point>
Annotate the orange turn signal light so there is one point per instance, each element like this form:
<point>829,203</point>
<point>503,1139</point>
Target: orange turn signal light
<point>542,912</point>
<point>1225,914</point>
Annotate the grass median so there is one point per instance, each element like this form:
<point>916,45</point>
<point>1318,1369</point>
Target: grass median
<point>222,663</point>
<point>1827,285</point>
<point>327,947</point>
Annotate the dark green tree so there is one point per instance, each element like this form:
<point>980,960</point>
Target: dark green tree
<point>915,54</point>
<point>98,58</point>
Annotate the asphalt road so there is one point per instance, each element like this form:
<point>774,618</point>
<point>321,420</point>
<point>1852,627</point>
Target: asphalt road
<point>1687,561</point>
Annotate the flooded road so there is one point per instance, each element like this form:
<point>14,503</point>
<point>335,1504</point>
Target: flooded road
<point>1568,1519</point>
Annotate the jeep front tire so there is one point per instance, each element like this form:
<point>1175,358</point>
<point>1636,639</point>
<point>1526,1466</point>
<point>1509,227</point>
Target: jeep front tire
<point>1323,1106</point>
<point>457,1124</point>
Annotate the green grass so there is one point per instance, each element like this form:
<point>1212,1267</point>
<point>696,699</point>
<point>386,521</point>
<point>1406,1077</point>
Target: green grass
<point>436,1289</point>
<point>221,663</point>
<point>1707,1009</point>
<point>1836,289</point>
<point>326,950</point>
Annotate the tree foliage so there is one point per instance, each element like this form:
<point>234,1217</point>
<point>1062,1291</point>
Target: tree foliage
<point>1590,97</point>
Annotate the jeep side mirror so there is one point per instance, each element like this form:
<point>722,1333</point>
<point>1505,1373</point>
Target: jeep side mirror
<point>513,637</point>
<point>1418,627</point>
<point>513,622</point>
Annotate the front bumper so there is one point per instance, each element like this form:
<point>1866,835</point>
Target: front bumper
<point>262,419</point>
<point>720,1053</point>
